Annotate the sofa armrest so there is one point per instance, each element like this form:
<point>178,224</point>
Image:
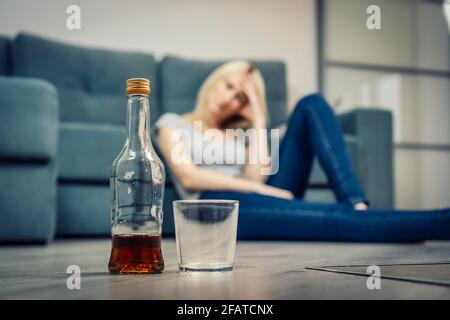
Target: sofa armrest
<point>373,128</point>
<point>29,113</point>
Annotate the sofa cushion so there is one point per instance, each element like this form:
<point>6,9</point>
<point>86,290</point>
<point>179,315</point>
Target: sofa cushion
<point>28,119</point>
<point>5,55</point>
<point>91,82</point>
<point>27,202</point>
<point>83,210</point>
<point>87,151</point>
<point>180,80</point>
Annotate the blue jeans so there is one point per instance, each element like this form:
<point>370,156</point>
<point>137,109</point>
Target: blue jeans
<point>313,131</point>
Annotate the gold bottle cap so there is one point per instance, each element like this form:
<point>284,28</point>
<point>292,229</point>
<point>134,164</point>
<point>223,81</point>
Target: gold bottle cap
<point>138,86</point>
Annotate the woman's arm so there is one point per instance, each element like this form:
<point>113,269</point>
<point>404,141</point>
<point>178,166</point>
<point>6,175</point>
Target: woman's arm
<point>258,159</point>
<point>195,178</point>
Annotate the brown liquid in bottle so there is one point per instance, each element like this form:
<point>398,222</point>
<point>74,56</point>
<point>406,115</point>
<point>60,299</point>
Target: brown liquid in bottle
<point>136,254</point>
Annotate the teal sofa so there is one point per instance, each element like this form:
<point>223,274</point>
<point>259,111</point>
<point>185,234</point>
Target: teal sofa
<point>63,114</point>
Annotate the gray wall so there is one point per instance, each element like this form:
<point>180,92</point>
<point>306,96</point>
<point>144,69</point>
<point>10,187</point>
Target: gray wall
<point>194,28</point>
<point>403,67</point>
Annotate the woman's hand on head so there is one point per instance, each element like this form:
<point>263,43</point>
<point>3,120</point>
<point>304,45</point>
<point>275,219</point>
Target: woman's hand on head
<point>274,191</point>
<point>252,111</point>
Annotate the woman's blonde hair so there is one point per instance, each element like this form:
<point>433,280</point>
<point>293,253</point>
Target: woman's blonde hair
<point>225,70</point>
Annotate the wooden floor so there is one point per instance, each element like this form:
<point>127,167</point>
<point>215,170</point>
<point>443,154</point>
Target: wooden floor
<point>264,270</point>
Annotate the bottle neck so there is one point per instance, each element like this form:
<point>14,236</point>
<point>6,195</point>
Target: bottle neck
<point>138,122</point>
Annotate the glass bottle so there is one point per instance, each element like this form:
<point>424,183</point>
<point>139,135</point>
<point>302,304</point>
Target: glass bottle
<point>137,186</point>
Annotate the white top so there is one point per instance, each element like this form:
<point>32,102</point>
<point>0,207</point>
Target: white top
<point>211,148</point>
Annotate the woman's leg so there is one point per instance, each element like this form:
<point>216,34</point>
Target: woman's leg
<point>265,217</point>
<point>313,130</point>
<point>295,156</point>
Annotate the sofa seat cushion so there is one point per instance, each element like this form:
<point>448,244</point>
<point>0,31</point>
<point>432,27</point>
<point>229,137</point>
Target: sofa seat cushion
<point>27,202</point>
<point>5,55</point>
<point>87,151</point>
<point>83,210</point>
<point>182,78</point>
<point>29,119</point>
<point>90,82</point>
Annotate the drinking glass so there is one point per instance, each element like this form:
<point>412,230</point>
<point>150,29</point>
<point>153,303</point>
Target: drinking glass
<point>205,233</point>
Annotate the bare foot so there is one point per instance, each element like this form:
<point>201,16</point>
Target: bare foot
<point>361,206</point>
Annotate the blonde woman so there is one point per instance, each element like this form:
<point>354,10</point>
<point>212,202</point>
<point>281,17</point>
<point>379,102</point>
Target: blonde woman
<point>233,96</point>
